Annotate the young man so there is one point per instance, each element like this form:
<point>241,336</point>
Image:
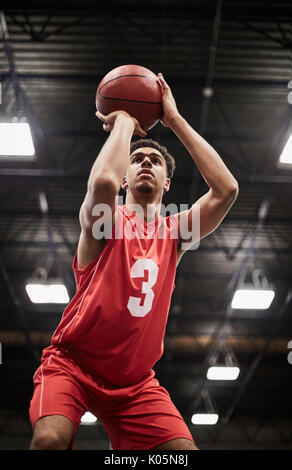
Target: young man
<point>111,333</point>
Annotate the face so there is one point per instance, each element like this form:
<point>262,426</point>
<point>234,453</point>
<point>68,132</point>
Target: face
<point>147,171</point>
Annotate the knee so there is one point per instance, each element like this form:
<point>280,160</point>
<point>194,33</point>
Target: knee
<point>48,440</point>
<point>177,444</point>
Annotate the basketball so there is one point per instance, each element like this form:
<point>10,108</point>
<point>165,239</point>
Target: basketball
<point>134,89</point>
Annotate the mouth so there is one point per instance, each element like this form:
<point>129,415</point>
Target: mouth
<point>145,172</point>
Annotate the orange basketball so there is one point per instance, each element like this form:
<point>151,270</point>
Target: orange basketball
<point>134,89</point>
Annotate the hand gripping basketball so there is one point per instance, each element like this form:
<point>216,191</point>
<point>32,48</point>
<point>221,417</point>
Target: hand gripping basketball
<point>170,110</point>
<point>110,120</point>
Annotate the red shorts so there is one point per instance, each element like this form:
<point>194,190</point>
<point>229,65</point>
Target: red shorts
<point>136,417</point>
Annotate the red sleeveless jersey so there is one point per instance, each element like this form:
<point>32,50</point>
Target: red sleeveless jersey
<point>115,323</point>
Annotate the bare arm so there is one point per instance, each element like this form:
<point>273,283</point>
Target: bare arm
<point>105,180</point>
<point>223,191</point>
<point>211,166</point>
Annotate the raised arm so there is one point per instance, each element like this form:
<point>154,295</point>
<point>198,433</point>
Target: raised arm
<point>105,179</point>
<point>223,191</point>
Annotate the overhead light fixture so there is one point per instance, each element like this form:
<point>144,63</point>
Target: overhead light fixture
<point>210,416</point>
<point>256,296</point>
<point>88,418</point>
<point>204,418</point>
<point>16,140</point>
<point>15,136</point>
<point>230,370</point>
<point>41,290</point>
<point>252,299</point>
<point>286,155</point>
<point>47,293</point>
<point>223,373</point>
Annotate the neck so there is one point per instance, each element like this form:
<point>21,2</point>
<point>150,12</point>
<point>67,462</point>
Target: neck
<point>144,205</point>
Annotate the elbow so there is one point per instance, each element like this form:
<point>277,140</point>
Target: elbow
<point>232,193</point>
<point>234,190</point>
<point>104,183</point>
<point>227,192</point>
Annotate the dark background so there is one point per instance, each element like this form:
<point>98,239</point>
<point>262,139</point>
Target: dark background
<point>242,50</point>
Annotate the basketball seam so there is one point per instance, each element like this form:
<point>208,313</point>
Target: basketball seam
<point>123,76</point>
<point>129,101</point>
<point>123,99</point>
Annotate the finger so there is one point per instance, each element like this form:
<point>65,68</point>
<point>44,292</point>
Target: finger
<point>139,131</point>
<point>162,81</point>
<point>142,133</point>
<point>160,84</point>
<point>100,116</point>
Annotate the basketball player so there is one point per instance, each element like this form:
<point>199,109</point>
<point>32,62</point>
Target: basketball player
<point>111,333</point>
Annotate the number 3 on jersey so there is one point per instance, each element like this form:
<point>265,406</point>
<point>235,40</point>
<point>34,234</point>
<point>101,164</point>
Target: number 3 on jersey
<point>138,270</point>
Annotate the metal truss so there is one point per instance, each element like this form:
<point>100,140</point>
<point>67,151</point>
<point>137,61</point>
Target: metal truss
<point>42,34</point>
<point>283,40</point>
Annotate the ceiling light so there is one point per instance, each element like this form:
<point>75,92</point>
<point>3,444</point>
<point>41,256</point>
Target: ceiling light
<point>16,139</point>
<point>209,414</point>
<point>204,418</point>
<point>286,155</point>
<point>223,373</point>
<point>47,293</point>
<point>252,299</point>
<point>229,369</point>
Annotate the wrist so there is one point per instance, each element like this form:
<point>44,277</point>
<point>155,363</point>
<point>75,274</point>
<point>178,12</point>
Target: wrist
<point>124,119</point>
<point>175,121</point>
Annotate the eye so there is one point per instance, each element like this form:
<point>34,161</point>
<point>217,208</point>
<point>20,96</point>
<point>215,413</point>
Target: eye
<point>156,161</point>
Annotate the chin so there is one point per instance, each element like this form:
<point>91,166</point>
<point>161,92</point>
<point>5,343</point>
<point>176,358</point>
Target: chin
<point>144,188</point>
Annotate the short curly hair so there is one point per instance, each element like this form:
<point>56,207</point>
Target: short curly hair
<point>169,160</point>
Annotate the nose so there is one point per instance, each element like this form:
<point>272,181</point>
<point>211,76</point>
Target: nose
<point>146,161</point>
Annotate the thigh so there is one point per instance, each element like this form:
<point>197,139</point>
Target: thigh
<point>57,394</point>
<point>146,421</point>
